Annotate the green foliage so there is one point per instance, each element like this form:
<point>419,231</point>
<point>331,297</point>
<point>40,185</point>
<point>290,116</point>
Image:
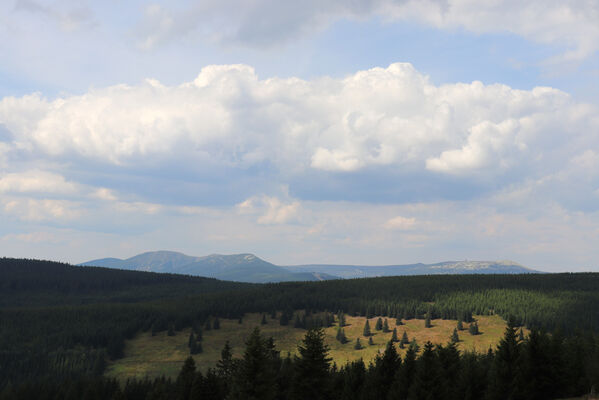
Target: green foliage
<point>312,367</point>
<point>454,336</point>
<point>366,331</point>
<point>379,324</point>
<point>358,345</point>
<point>386,326</point>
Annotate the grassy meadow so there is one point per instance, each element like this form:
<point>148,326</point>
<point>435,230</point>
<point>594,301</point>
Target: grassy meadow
<point>153,356</point>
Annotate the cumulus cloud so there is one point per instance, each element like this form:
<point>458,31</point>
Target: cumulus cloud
<point>270,210</point>
<point>381,117</point>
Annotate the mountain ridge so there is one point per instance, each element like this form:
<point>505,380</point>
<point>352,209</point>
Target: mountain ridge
<point>247,267</point>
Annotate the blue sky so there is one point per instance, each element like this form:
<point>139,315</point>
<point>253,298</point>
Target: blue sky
<point>370,132</point>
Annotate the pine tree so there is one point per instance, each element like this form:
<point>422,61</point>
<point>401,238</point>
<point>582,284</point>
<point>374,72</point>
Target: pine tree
<point>379,324</point>
<point>358,345</point>
<point>297,323</point>
<point>460,325</point>
<point>394,338</point>
<point>398,321</point>
<point>367,329</point>
<point>225,366</point>
<point>216,324</point>
<point>341,318</point>
<point>263,321</point>
<point>427,320</point>
<point>386,326</point>
<point>199,335</point>
<point>505,364</point>
<point>404,339</point>
<point>256,377</point>
<point>370,341</point>
<point>414,345</point>
<point>454,337</point>
<point>341,335</point>
<point>311,379</point>
<point>191,340</point>
<point>185,378</point>
<point>473,329</point>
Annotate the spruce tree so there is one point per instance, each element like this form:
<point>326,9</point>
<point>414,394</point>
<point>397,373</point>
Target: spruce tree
<point>454,336</point>
<point>263,321</point>
<point>199,335</point>
<point>256,377</point>
<point>404,338</point>
<point>370,341</point>
<point>341,338</point>
<point>311,379</point>
<point>427,320</point>
<point>386,326</point>
<point>366,331</point>
<point>225,366</point>
<point>216,324</point>
<point>505,365</point>
<point>191,340</point>
<point>185,378</point>
<point>358,345</point>
<point>379,324</point>
<point>398,321</point>
<point>460,325</point>
<point>394,338</point>
<point>473,329</point>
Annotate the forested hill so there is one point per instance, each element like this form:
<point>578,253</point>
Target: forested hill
<point>58,321</point>
<point>38,282</point>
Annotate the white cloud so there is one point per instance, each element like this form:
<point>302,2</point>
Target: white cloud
<point>42,210</point>
<point>36,181</point>
<point>400,223</point>
<point>270,210</point>
<point>380,117</point>
<point>570,24</point>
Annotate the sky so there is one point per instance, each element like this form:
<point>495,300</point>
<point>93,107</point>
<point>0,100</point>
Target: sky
<point>362,132</point>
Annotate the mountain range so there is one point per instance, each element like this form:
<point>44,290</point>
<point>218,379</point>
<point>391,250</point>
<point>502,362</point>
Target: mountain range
<point>249,268</point>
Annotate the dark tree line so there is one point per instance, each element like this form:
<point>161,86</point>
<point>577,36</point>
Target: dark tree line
<point>541,366</point>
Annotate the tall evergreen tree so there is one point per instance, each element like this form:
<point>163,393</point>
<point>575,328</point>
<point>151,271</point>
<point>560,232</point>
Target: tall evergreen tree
<point>505,364</point>
<point>427,380</point>
<point>427,320</point>
<point>460,325</point>
<point>394,337</point>
<point>358,345</point>
<point>385,326</point>
<point>311,379</point>
<point>256,378</point>
<point>186,378</point>
<point>379,324</point>
<point>366,332</point>
<point>454,336</point>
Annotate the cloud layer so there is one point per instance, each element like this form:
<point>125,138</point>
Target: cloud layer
<point>364,161</point>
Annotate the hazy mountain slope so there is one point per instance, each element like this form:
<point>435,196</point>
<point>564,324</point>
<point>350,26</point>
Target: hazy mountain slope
<point>447,267</point>
<point>235,267</point>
